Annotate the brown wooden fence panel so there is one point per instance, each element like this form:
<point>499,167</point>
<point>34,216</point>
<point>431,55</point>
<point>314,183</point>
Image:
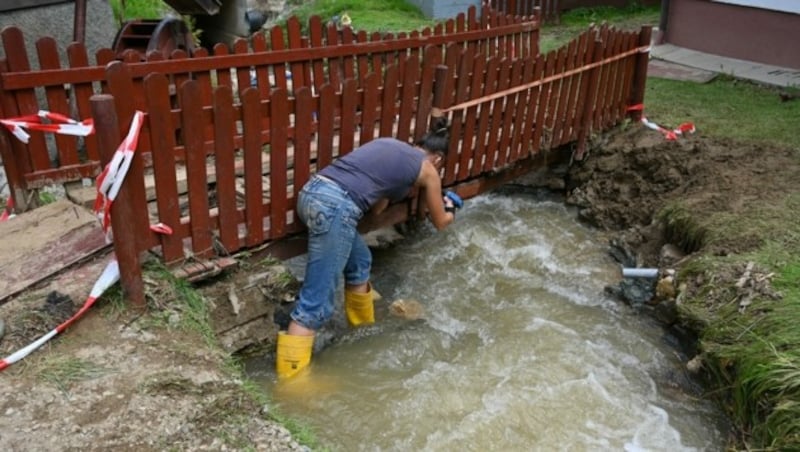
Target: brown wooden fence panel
<point>253,183</point>
<point>225,168</point>
<point>279,112</point>
<point>327,117</point>
<point>57,102</point>
<point>388,107</point>
<point>25,100</point>
<point>196,175</point>
<point>78,57</point>
<point>305,116</point>
<point>463,84</point>
<point>349,102</point>
<point>162,133</point>
<point>470,136</point>
<point>369,106</point>
<point>489,87</point>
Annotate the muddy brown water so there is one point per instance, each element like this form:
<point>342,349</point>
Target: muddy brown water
<point>519,349</point>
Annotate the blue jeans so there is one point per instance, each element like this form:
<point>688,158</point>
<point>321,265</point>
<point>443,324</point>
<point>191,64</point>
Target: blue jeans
<point>334,249</point>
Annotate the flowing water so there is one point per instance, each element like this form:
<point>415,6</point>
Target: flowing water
<point>520,349</point>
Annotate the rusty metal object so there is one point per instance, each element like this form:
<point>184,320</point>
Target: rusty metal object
<point>146,35</point>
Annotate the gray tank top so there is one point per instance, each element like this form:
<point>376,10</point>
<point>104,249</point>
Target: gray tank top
<point>382,168</point>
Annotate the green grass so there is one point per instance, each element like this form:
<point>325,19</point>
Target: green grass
<point>725,107</point>
<point>139,9</point>
<point>388,16</point>
<point>62,371</point>
<point>578,20</point>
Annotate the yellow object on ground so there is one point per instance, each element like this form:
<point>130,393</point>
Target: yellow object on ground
<point>293,354</point>
<point>359,307</point>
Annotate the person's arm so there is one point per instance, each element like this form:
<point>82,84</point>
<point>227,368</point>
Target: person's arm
<point>429,180</point>
<point>370,218</point>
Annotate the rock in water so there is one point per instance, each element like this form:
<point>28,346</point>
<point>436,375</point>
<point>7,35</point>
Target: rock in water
<point>407,309</point>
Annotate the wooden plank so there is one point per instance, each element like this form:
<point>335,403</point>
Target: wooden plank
<point>295,35</point>
<point>555,98</point>
<point>568,133</point>
<point>489,87</point>
<point>526,146</point>
<point>47,50</point>
<point>78,57</point>
<point>242,72</point>
<point>508,114</point>
<point>520,115</point>
<point>408,98</point>
<point>316,31</point>
<point>498,105</point>
<point>192,127</point>
<point>544,102</point>
<point>432,59</point>
<point>457,126</point>
<point>469,136</point>
<point>335,73</point>
<point>388,108</point>
<point>303,132</point>
<point>601,88</point>
<point>42,242</point>
<point>254,200</point>
<point>25,100</point>
<point>348,60</point>
<point>224,164</point>
<point>279,110</point>
<point>349,100</point>
<point>162,138</point>
<point>369,108</point>
<point>325,133</point>
<point>563,95</point>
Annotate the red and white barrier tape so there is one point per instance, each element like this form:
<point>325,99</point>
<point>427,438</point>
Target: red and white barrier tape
<point>108,185</point>
<point>670,135</point>
<point>8,212</point>
<point>109,276</point>
<point>56,123</point>
<point>110,180</point>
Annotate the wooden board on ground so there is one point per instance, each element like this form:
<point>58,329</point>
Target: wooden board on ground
<point>42,242</point>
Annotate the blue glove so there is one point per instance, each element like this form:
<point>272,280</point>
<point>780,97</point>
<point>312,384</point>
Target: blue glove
<point>452,196</point>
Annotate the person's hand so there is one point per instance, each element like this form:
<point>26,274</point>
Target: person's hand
<point>452,201</point>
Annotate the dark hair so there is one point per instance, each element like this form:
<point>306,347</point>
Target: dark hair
<point>438,138</point>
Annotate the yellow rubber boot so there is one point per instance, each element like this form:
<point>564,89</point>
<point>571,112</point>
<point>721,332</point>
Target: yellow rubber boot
<point>359,307</point>
<point>293,354</point>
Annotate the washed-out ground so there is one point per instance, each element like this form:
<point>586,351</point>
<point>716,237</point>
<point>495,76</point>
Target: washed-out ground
<point>123,380</point>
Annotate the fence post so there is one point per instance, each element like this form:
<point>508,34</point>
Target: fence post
<point>588,106</point>
<point>640,76</point>
<point>104,114</point>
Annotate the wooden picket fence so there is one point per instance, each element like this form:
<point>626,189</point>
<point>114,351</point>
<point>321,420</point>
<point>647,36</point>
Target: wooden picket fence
<point>283,57</point>
<point>230,138</point>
